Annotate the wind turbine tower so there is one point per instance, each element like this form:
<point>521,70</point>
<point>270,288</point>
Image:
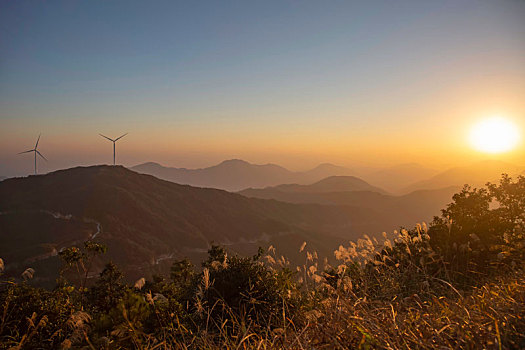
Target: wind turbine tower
<point>114,141</point>
<point>35,151</point>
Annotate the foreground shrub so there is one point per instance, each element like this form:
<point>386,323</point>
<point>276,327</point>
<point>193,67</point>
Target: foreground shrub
<point>238,286</point>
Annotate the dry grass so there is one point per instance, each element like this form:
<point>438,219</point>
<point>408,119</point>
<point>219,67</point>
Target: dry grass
<point>365,302</point>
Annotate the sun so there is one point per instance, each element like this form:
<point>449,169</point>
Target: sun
<point>494,135</point>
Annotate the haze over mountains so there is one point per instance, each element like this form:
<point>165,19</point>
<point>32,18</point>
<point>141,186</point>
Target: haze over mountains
<point>236,174</point>
<point>392,211</point>
<point>394,179</point>
<point>146,221</point>
<point>329,184</point>
<point>477,174</point>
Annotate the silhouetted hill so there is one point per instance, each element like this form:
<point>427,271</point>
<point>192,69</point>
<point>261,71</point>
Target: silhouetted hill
<point>476,174</point>
<point>396,178</point>
<point>322,171</point>
<point>392,211</point>
<point>146,221</point>
<point>3,178</point>
<point>329,184</point>
<point>235,174</point>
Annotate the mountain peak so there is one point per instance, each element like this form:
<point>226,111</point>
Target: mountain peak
<point>330,184</point>
<point>149,164</point>
<point>344,183</point>
<point>237,174</point>
<point>339,179</point>
<point>328,166</point>
<point>234,161</point>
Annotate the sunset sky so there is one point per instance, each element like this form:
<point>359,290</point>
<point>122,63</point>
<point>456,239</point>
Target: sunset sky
<point>295,83</point>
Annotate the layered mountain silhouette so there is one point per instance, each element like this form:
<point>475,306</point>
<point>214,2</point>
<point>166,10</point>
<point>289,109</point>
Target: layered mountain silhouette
<point>395,179</point>
<point>329,184</point>
<point>146,222</point>
<point>477,174</point>
<point>236,174</point>
<point>392,211</point>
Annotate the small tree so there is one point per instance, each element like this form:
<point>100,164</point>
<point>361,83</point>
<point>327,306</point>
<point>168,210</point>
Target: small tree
<point>182,272</point>
<point>108,289</point>
<point>81,260</point>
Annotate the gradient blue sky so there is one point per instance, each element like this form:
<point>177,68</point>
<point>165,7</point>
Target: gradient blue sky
<point>290,82</point>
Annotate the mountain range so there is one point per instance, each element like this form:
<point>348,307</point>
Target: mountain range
<point>476,174</point>
<point>236,174</point>
<point>394,179</point>
<point>329,184</point>
<point>147,222</point>
<point>391,211</point>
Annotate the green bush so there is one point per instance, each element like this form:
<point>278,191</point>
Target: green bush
<point>243,287</point>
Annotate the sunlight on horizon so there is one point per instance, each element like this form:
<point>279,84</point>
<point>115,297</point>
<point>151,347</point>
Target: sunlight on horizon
<point>494,135</point>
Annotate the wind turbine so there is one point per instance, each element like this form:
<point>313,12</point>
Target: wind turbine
<point>115,140</point>
<point>35,150</point>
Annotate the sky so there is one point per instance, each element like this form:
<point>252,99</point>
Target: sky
<point>295,83</point>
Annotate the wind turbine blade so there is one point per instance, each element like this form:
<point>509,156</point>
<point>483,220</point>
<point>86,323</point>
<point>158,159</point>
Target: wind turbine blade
<point>36,145</point>
<point>40,154</point>
<point>118,138</point>
<point>31,150</point>
<point>107,138</point>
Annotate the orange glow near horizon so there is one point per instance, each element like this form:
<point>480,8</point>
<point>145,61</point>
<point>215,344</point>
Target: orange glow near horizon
<point>495,135</point>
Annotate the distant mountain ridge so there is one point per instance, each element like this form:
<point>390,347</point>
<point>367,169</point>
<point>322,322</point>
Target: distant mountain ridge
<point>394,179</point>
<point>146,222</point>
<point>236,174</point>
<point>476,174</point>
<point>392,211</point>
<point>329,184</point>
